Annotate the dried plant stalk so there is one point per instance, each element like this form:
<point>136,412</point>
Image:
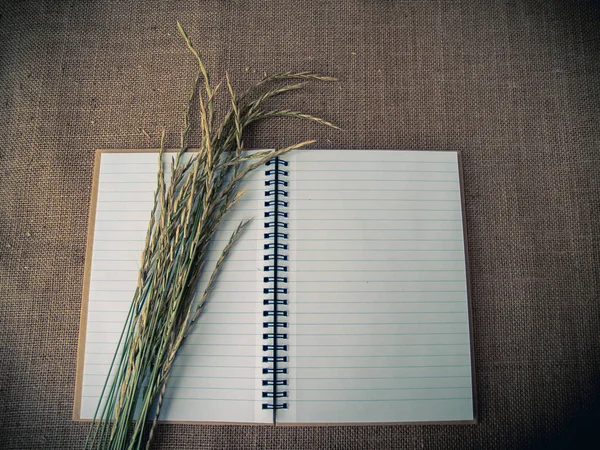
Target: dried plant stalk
<point>185,216</point>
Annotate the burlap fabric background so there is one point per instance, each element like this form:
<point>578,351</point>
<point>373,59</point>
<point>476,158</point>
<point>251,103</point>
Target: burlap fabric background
<point>514,85</point>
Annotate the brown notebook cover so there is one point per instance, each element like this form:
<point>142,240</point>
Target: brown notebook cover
<point>347,302</point>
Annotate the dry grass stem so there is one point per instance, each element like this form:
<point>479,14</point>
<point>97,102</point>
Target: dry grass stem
<point>186,214</point>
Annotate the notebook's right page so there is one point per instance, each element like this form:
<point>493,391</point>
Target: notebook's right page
<point>378,305</point>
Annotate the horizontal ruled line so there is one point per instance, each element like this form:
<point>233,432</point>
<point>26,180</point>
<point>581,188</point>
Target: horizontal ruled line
<point>151,201</point>
<point>375,334</point>
<point>129,292</point>
<point>338,313</point>
<point>117,250</point>
<point>198,387</point>
<point>418,180</point>
<point>383,301</point>
<point>304,302</point>
<point>305,271</point>
<point>193,398</point>
<point>318,219</point>
<point>186,365</point>
<point>120,163</point>
<point>104,172</point>
<point>196,334</point>
<point>384,389</point>
<point>220,345</point>
<point>373,270</point>
<point>385,378</point>
<point>137,270</point>
<point>295,170</point>
<point>141,240</point>
<point>357,292</point>
<point>239,292</point>
<point>128,210</point>
<point>168,163</point>
<point>384,220</point>
<point>227,312</point>
<point>374,356</point>
<point>100,300</point>
<point>386,281</point>
<point>210,399</point>
<point>379,260</point>
<point>212,240</point>
<point>376,367</point>
<point>366,209</point>
<point>203,322</point>
<point>377,229</point>
<point>397,200</point>
<point>151,191</point>
<point>216,366</point>
<point>395,161</point>
<point>387,250</point>
<point>301,189</point>
<point>324,378</point>
<point>376,345</point>
<point>385,400</point>
<point>137,202</point>
<point>376,324</point>
<point>184,345</point>
<point>298,356</point>
<point>374,240</point>
<point>137,260</point>
<point>107,182</point>
<point>209,377</point>
<point>133,289</point>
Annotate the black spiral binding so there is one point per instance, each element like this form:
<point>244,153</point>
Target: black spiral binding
<point>275,290</point>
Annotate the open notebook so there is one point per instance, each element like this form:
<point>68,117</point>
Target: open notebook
<point>345,301</point>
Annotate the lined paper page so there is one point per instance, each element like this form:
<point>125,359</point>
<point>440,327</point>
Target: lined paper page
<point>378,304</point>
<point>216,376</point>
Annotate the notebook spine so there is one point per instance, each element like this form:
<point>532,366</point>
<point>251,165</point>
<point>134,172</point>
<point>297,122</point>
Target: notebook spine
<point>276,287</point>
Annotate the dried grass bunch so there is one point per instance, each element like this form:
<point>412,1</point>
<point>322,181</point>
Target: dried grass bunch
<point>185,216</point>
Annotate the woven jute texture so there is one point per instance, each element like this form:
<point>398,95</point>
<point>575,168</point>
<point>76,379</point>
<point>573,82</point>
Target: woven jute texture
<point>514,85</point>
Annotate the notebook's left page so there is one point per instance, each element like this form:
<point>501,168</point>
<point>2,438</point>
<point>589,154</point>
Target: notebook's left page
<point>217,374</point>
